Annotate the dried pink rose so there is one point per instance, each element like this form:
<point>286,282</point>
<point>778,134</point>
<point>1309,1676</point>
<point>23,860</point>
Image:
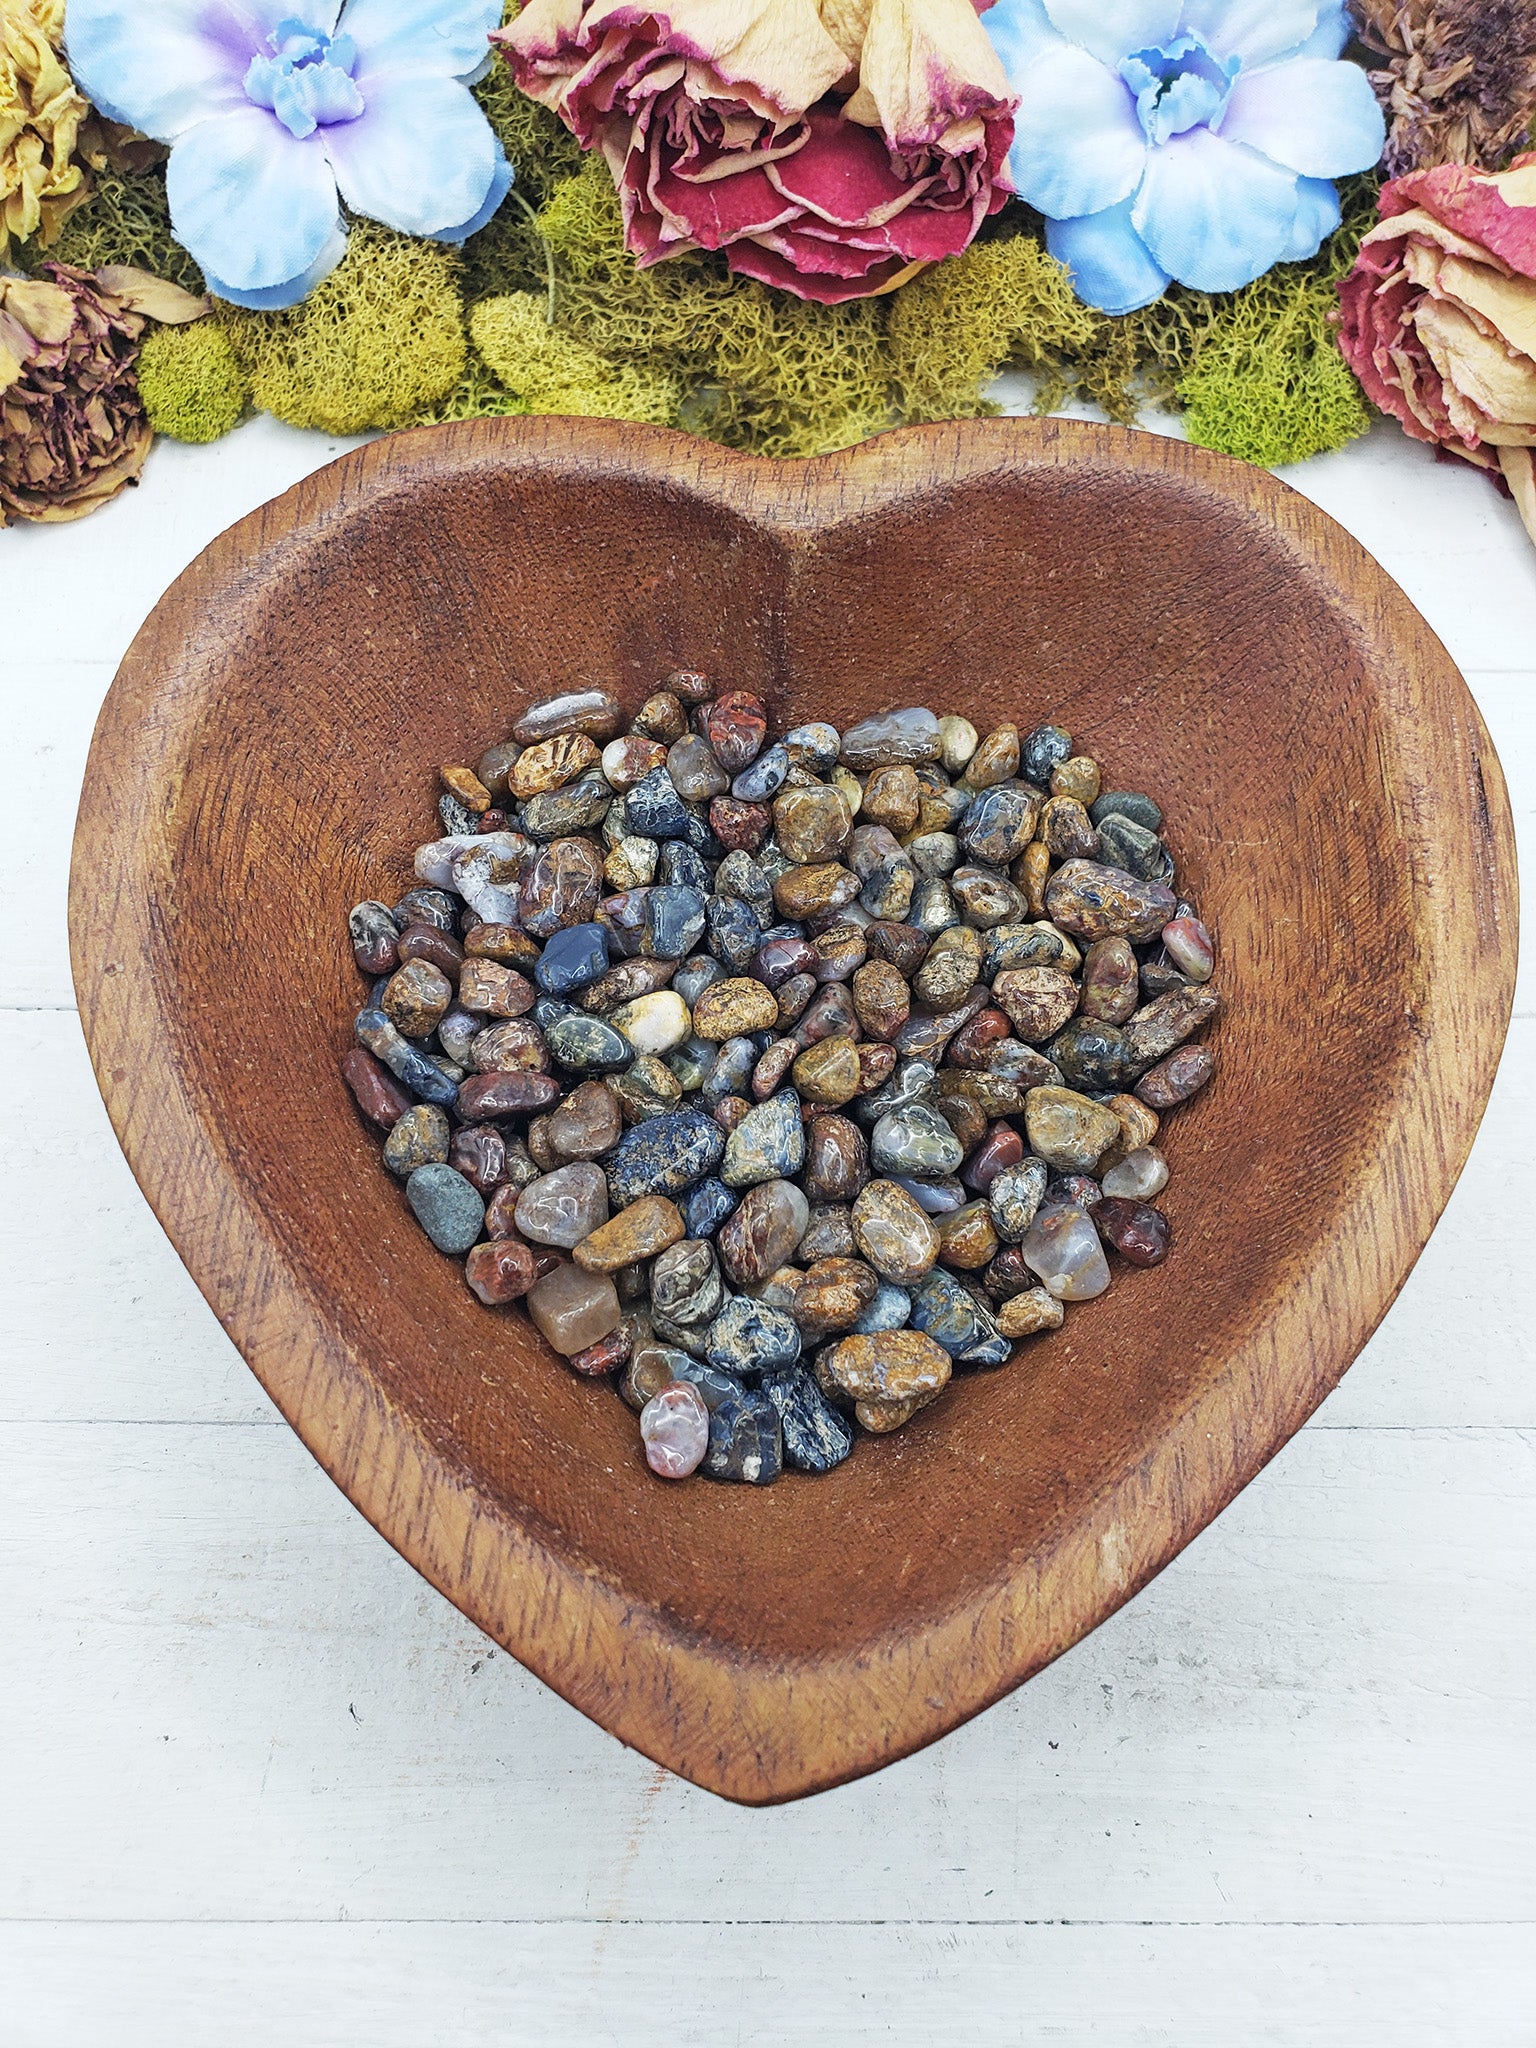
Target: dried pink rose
<point>1438,316</point>
<point>829,153</point>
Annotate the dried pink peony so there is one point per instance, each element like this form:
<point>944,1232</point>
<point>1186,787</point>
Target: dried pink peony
<point>831,153</point>
<point>1438,316</point>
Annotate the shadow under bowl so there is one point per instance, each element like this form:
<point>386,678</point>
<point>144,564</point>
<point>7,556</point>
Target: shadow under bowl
<point>267,756</point>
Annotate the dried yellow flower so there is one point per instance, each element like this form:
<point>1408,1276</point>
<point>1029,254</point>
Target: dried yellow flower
<point>41,178</point>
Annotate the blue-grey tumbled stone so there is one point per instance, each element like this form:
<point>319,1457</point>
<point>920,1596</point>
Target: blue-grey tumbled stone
<point>407,1062</point>
<point>692,1062</point>
<point>687,1294</point>
<point>654,810</point>
<point>1130,803</point>
<point>732,1072</point>
<point>768,1143</point>
<point>663,1155</point>
<point>748,1336</point>
<point>1042,752</point>
<point>558,813</point>
<point>998,825</point>
<point>941,1197</point>
<point>573,958</point>
<point>741,876</point>
<point>549,1010</point>
<point>695,975</point>
<point>814,746</point>
<point>889,1310</point>
<point>586,1045</point>
<point>705,1207</point>
<point>1018,945</point>
<point>674,922</point>
<point>1131,847</point>
<point>734,932</point>
<point>952,1316</point>
<point>910,1082</point>
<point>933,908</point>
<point>1014,1196</point>
<point>680,867</point>
<point>715,1386</point>
<point>746,1440</point>
<point>816,1437</point>
<point>457,818</point>
<point>446,1206</point>
<point>765,777</point>
<point>914,1140</point>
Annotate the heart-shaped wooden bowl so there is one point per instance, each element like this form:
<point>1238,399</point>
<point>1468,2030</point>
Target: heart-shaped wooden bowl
<point>267,755</point>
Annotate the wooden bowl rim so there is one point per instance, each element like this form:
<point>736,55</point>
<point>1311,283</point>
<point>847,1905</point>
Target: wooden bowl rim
<point>750,1728</point>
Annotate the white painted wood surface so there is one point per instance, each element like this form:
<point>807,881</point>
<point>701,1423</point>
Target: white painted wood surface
<point>260,1785</point>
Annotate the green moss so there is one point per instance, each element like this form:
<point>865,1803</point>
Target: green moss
<point>1269,384</point>
<point>552,372</point>
<point>192,385</point>
<point>127,219</point>
<point>375,345</point>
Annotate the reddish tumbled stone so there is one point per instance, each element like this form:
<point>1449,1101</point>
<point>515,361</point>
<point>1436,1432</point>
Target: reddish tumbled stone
<point>375,1090</point>
<point>971,1047</point>
<point>730,1110</point>
<point>830,1015</point>
<point>794,996</point>
<point>1002,1146</point>
<point>778,959</point>
<point>607,1355</point>
<point>501,1212</point>
<point>739,827</point>
<point>902,944</point>
<point>1176,1078</point>
<point>773,1066</point>
<point>492,821</point>
<point>426,942</point>
<point>836,1158</point>
<point>736,726</point>
<point>479,1152</point>
<point>495,1095</point>
<point>491,990</point>
<point>501,1270</point>
<point>1137,1231</point>
<point>877,1063</point>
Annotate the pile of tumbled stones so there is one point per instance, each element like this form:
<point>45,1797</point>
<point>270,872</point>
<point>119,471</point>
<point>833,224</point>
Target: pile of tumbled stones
<point>780,1080</point>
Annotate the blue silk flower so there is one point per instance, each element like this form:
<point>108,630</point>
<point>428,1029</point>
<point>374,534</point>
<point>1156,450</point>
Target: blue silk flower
<point>1187,139</point>
<point>271,114</point>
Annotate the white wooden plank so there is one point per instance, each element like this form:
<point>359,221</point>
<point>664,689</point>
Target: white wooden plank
<point>231,1700</point>
<point>104,1323</point>
<point>629,1985</point>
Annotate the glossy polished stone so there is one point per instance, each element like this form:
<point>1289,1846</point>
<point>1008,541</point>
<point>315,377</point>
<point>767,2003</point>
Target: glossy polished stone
<point>664,1155</point>
<point>446,1206</point>
<point>768,1144</point>
<point>674,1428</point>
<point>900,1242</point>
<point>763,1231</point>
<point>1063,1248</point>
<point>563,1207</point>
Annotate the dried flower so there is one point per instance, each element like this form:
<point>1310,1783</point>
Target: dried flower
<point>725,127</point>
<point>41,178</point>
<point>72,427</point>
<point>1459,86</point>
<point>1439,316</point>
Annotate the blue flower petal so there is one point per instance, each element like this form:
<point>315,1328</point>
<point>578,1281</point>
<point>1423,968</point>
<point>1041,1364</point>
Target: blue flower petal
<point>1020,33</point>
<point>445,38</point>
<point>1112,29</point>
<point>280,295</point>
<point>1111,266</point>
<point>1317,215</point>
<point>501,185</point>
<point>420,158</point>
<point>1258,31</point>
<point>1078,144</point>
<point>254,206</point>
<point>1312,115</point>
<point>162,68</point>
<point>1215,216</point>
<point>1333,31</point>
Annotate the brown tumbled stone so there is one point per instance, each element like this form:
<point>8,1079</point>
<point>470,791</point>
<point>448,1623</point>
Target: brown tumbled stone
<point>995,760</point>
<point>1078,777</point>
<point>639,1232</point>
<point>501,1094</point>
<point>730,1110</point>
<point>733,1008</point>
<point>1029,1311</point>
<point>587,1124</point>
<point>1095,902</point>
<point>793,997</point>
<point>375,1090</point>
<point>491,990</point>
<point>426,942</point>
<point>1032,872</point>
<point>1167,1022</point>
<point>840,951</point>
<point>1111,981</point>
<point>836,1159</point>
<point>1178,1077</point>
<point>626,982</point>
<point>881,998</point>
<point>1068,1130</point>
<point>661,717</point>
<point>891,798</point>
<point>607,1355</point>
<point>877,1063</point>
<point>501,942</point>
<point>1067,829</point>
<point>812,824</point>
<point>1038,1000</point>
<point>803,891</point>
<point>833,1295</point>
<point>967,1237</point>
<point>894,1366</point>
<point>501,1270</point>
<point>903,945</point>
<point>495,765</point>
<point>773,1066</point>
<point>597,712</point>
<point>739,827</point>
<point>736,726</point>
<point>893,1233</point>
<point>479,1152</point>
<point>415,998</point>
<point>551,764</point>
<point>466,785</point>
<point>828,1235</point>
<point>951,969</point>
<point>972,1046</point>
<point>518,1044</point>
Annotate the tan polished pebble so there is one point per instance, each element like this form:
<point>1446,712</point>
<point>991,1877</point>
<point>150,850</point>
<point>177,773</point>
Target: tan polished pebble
<point>416,997</point>
<point>419,1138</point>
<point>881,1417</point>
<point>1078,777</point>
<point>466,785</point>
<point>812,824</point>
<point>491,990</point>
<point>828,1073</point>
<point>958,739</point>
<point>572,1309</point>
<point>967,1237</point>
<point>639,1232</point>
<point>733,1008</point>
<point>881,998</point>
<point>514,1047</point>
<point>630,865</point>
<point>1068,1130</point>
<point>895,1365</point>
<point>1032,872</point>
<point>628,761</point>
<point>1035,1309</point>
<point>1138,1123</point>
<point>807,891</point>
<point>1036,1000</point>
<point>661,717</point>
<point>1092,901</point>
<point>654,1023</point>
<point>551,764</point>
<point>951,969</point>
<point>995,760</point>
<point>899,1240</point>
<point>891,798</point>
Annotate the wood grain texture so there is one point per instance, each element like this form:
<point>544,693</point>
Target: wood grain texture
<point>266,755</point>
